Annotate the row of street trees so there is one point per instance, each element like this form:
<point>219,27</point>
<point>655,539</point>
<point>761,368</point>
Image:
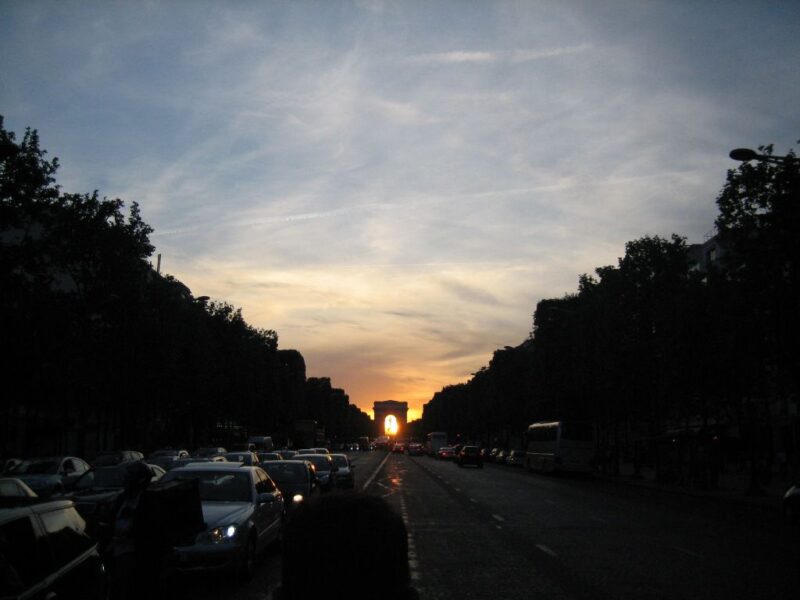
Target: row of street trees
<point>673,334</point>
<point>105,352</point>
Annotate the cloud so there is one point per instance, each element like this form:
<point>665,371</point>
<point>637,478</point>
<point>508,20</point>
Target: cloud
<point>509,56</point>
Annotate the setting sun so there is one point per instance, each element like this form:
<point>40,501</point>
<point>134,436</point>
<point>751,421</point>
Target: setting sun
<point>390,425</point>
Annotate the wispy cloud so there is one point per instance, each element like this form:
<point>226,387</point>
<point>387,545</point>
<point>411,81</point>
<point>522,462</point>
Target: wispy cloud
<point>510,56</point>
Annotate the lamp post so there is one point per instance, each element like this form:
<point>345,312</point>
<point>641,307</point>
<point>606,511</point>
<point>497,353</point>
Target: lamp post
<point>746,155</point>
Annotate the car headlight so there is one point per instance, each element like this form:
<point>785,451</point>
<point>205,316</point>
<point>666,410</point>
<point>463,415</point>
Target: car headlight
<point>222,534</point>
<point>297,498</point>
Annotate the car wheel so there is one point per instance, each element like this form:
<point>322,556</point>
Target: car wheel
<point>248,566</point>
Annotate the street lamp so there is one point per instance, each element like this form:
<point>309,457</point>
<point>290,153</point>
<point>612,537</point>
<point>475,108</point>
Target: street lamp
<point>746,155</point>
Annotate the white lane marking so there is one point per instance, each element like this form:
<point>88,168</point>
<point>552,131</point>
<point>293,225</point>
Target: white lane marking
<point>499,518</point>
<point>546,550</point>
<point>689,552</point>
<point>371,477</point>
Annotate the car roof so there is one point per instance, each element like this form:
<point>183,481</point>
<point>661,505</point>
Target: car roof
<point>214,466</point>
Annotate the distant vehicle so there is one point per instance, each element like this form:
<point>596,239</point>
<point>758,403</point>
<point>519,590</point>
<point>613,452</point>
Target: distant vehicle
<point>296,480</point>
<point>243,512</point>
<point>434,442</point>
<point>9,464</point>
<point>363,443</point>
<point>304,451</point>
<point>164,458</point>
<point>49,475</point>
<point>194,460</point>
<point>261,443</point>
<point>11,487</point>
<point>209,451</point>
<point>516,458</point>
<point>114,457</point>
<point>560,446</point>
<point>264,456</point>
<point>343,475</point>
<point>321,450</point>
<point>248,459</point>
<point>33,547</point>
<point>416,449</point>
<point>399,448</point>
<point>446,453</point>
<point>323,465</point>
<point>500,456</point>
<point>287,454</point>
<point>470,455</point>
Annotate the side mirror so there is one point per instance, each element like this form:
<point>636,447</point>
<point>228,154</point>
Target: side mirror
<point>266,498</point>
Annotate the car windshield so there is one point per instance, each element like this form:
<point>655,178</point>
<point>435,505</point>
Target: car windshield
<point>45,466</point>
<point>286,472</point>
<point>217,486</point>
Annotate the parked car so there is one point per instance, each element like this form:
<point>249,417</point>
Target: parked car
<point>53,474</point>
<point>164,458</point>
<point>470,455</point>
<point>243,511</point>
<point>323,466</point>
<point>249,459</point>
<point>445,453</point>
<point>296,479</point>
<point>95,495</point>
<point>516,458</point>
<point>48,554</point>
<point>114,457</point>
<point>10,487</point>
<point>265,456</point>
<point>500,456</point>
<point>210,451</point>
<point>343,475</point>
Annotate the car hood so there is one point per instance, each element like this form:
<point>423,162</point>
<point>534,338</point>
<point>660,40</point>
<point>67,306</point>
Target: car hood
<point>39,481</point>
<point>219,514</point>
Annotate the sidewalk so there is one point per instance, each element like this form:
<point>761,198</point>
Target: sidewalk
<point>732,488</point>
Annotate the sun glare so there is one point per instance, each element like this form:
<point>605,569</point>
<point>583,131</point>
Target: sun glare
<point>390,425</point>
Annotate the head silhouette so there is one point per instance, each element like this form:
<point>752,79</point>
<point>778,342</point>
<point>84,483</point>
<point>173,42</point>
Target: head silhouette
<point>351,546</point>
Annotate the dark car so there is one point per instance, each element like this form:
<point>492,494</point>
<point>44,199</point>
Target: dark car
<point>114,457</point>
<point>446,453</point>
<point>323,465</point>
<point>265,456</point>
<point>287,454</point>
<point>296,479</point>
<point>470,455</point>
<point>51,475</point>
<point>416,449</point>
<point>343,475</point>
<point>96,493</point>
<point>165,458</point>
<point>210,451</point>
<point>48,554</point>
<point>516,458</point>
<point>248,459</point>
<point>243,511</point>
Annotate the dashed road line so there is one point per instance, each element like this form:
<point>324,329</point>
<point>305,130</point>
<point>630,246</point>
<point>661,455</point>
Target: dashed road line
<point>498,518</point>
<point>374,473</point>
<point>546,550</point>
<point>685,551</point>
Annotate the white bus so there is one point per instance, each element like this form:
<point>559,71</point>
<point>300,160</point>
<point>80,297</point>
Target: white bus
<point>560,446</point>
<point>434,441</point>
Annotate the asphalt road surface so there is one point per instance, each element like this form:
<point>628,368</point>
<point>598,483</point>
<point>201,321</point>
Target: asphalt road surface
<point>502,533</point>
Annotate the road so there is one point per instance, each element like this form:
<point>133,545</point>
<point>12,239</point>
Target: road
<point>500,532</point>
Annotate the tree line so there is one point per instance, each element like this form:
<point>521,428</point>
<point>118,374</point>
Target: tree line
<point>672,334</point>
<point>105,352</point>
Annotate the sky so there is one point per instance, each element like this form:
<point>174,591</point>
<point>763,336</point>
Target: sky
<point>393,186</point>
